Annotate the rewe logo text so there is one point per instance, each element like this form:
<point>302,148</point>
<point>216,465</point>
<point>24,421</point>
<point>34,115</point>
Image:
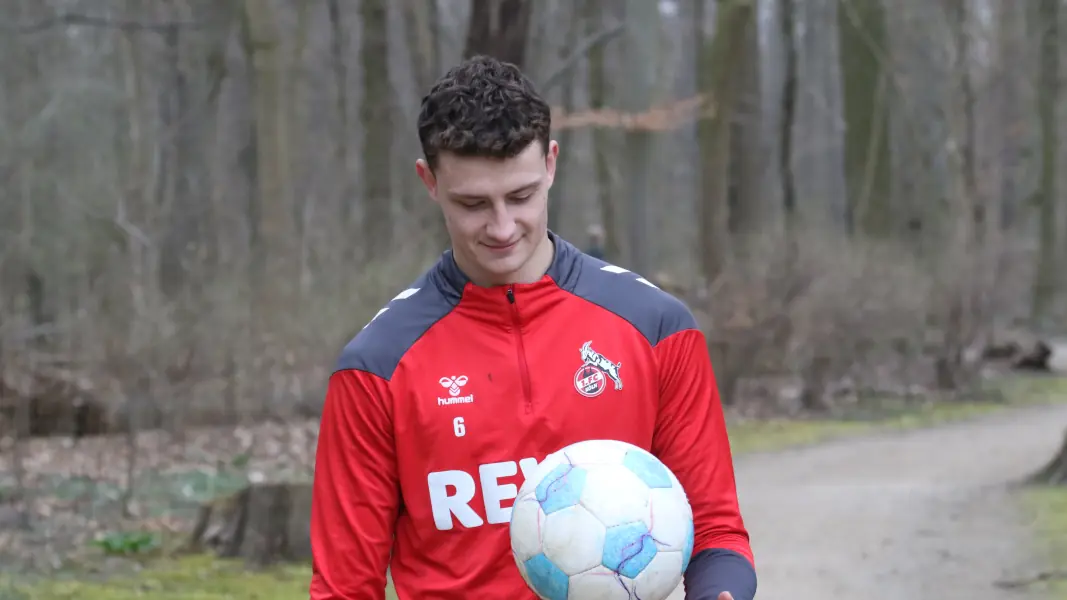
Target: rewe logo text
<point>452,491</point>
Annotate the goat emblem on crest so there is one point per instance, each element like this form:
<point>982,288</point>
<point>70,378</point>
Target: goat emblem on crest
<point>591,378</point>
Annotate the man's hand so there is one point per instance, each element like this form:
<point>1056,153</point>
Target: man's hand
<point>725,596</point>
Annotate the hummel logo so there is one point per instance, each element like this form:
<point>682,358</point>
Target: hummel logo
<point>453,385</point>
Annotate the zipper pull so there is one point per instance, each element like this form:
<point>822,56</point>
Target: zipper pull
<point>511,295</point>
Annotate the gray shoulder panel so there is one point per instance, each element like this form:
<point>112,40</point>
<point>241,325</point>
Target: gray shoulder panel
<point>383,342</point>
<point>652,311</point>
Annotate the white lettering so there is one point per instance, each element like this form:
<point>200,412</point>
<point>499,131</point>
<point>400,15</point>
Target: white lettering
<point>527,465</point>
<point>445,506</point>
<point>494,494</point>
<point>459,427</point>
<point>455,400</point>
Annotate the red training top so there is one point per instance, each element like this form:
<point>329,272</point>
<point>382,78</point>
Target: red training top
<point>452,392</point>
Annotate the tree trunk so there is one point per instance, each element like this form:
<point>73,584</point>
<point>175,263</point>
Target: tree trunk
<point>865,78</point>
<point>787,21</point>
<point>564,183</point>
<point>1015,78</point>
<point>598,93</point>
<point>818,145</point>
<point>421,26</point>
<point>339,66</point>
<point>641,48</point>
<point>499,28</point>
<point>1048,100</point>
<point>919,80</point>
<point>962,246</point>
<point>378,131</point>
<point>174,196</point>
<point>262,44</point>
<point>718,77</point>
<point>753,209</point>
<point>263,524</point>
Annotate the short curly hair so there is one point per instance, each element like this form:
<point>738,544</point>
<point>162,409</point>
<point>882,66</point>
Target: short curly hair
<point>482,107</point>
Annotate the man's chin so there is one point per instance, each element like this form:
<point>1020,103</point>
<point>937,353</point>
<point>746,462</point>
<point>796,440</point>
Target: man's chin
<point>501,266</point>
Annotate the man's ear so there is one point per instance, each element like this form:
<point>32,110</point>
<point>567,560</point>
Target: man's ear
<point>551,159</point>
<point>425,173</point>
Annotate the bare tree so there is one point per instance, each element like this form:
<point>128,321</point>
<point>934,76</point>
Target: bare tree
<point>376,117</point>
<point>719,73</point>
<point>641,51</point>
<point>866,82</point>
<point>1045,282</point>
<point>271,209</point>
<point>598,99</point>
<point>499,28</point>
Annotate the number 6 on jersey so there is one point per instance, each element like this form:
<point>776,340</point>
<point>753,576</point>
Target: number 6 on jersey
<point>459,427</point>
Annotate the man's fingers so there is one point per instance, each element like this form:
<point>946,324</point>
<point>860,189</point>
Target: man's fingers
<point>725,596</point>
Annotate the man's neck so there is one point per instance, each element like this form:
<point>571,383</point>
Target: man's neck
<point>532,270</point>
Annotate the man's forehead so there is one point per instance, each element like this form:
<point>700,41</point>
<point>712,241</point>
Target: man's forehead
<point>479,177</point>
<point>493,186</point>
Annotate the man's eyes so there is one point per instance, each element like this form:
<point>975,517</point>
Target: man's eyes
<point>482,204</point>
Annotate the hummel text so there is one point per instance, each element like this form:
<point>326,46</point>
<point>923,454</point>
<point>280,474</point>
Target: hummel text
<point>454,386</point>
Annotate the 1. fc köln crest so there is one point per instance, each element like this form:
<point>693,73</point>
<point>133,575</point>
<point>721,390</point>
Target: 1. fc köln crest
<point>592,377</point>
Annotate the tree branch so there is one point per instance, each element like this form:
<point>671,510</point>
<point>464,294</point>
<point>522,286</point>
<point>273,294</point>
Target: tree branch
<point>587,46</point>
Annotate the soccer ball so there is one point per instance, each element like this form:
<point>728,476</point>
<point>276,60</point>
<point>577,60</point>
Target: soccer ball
<point>602,519</point>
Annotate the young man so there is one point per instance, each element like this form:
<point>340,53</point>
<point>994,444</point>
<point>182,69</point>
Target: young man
<point>470,376</point>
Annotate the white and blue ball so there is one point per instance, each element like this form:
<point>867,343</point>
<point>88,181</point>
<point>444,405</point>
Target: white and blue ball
<point>602,519</point>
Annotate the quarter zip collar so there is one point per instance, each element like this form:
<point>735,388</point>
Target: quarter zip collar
<point>562,270</point>
<point>497,304</point>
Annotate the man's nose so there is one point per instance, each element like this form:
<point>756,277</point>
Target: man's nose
<point>502,225</point>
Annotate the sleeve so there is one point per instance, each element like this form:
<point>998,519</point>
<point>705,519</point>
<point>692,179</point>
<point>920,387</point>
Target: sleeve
<point>355,494</point>
<point>691,439</point>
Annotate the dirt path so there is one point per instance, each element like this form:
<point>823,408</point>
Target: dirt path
<point>915,515</point>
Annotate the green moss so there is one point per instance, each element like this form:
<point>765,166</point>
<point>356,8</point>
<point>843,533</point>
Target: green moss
<point>1047,507</point>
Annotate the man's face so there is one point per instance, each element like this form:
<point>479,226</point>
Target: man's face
<point>496,210</point>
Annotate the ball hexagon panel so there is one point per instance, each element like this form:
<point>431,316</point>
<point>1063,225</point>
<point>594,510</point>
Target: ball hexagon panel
<point>659,577</point>
<point>561,488</point>
<point>601,583</point>
<point>671,518</point>
<point>546,578</point>
<point>648,468</point>
<point>573,539</point>
<point>615,495</point>
<point>687,549</point>
<point>628,549</point>
<point>526,516</point>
